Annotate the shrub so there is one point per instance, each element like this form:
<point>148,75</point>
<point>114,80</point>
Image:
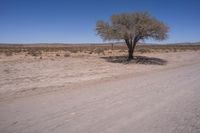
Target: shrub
<point>57,54</point>
<point>8,53</point>
<point>99,51</point>
<point>67,54</point>
<point>35,52</point>
<point>143,50</point>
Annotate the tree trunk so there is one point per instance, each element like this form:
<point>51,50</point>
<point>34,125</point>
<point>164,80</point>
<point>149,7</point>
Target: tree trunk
<point>131,47</point>
<point>130,53</point>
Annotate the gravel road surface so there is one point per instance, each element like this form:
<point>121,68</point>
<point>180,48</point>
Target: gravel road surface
<point>163,101</point>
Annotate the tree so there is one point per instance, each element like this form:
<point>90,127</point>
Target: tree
<point>132,27</point>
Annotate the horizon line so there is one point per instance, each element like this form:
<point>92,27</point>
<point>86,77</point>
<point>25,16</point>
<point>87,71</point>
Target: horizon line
<point>92,43</point>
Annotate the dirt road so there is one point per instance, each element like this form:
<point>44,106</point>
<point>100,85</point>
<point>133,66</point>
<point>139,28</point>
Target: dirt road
<point>161,101</point>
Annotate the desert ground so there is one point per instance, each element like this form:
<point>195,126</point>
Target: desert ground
<point>100,91</point>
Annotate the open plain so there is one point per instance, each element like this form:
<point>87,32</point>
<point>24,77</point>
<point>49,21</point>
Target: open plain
<point>100,91</point>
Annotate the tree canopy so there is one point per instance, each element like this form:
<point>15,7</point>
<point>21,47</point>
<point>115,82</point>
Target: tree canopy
<point>132,27</point>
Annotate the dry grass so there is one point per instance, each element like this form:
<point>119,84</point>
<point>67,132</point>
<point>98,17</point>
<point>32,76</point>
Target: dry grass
<point>37,50</point>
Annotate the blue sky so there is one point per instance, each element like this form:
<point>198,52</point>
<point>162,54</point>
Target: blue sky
<point>73,21</point>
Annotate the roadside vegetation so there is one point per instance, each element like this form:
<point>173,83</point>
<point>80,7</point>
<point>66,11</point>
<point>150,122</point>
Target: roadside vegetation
<point>100,49</point>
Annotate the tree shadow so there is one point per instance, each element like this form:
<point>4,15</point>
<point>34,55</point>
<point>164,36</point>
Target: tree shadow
<point>137,60</point>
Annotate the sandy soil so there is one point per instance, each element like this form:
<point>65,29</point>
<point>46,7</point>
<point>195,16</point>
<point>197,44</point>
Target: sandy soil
<point>22,75</point>
<point>141,98</point>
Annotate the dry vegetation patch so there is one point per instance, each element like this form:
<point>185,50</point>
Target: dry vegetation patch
<point>67,50</point>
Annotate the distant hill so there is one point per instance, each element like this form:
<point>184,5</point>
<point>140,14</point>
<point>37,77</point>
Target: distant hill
<point>82,44</point>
